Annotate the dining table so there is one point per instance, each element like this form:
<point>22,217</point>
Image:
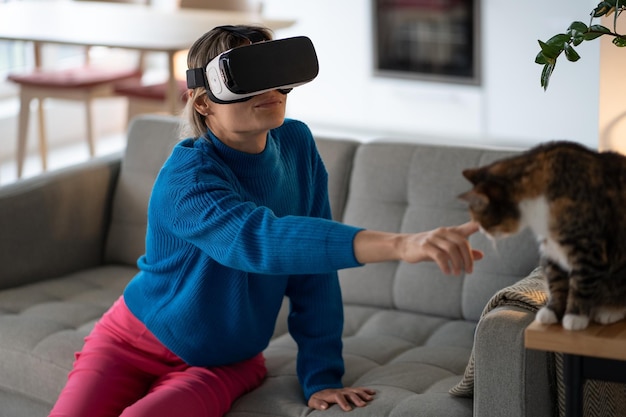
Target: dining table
<point>119,25</point>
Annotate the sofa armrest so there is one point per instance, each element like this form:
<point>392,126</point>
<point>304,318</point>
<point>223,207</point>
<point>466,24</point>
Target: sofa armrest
<point>55,223</point>
<point>509,379</point>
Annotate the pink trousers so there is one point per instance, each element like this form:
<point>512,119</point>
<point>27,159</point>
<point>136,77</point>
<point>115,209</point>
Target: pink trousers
<point>123,370</point>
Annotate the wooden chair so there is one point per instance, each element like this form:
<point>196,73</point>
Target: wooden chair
<point>84,83</point>
<point>151,98</point>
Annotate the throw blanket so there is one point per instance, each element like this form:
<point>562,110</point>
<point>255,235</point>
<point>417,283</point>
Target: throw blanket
<point>602,399</point>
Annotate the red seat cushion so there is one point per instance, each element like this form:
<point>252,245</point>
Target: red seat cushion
<point>134,88</point>
<point>74,77</point>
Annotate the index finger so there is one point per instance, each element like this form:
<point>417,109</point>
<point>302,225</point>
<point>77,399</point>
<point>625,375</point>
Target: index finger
<point>467,229</point>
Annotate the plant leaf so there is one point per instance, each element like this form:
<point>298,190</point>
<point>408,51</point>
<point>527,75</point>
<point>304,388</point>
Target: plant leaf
<point>545,75</point>
<point>619,41</point>
<point>571,54</point>
<point>550,51</point>
<point>599,28</point>
<point>577,26</point>
<point>604,8</point>
<point>541,59</point>
<point>595,31</point>
<point>577,32</point>
<point>559,40</point>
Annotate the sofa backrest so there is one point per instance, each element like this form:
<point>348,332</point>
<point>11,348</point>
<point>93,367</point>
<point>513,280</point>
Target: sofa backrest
<point>150,140</point>
<point>411,188</point>
<point>338,156</point>
<point>393,187</point>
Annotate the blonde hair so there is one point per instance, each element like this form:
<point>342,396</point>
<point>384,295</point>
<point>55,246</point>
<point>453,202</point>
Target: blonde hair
<point>207,47</point>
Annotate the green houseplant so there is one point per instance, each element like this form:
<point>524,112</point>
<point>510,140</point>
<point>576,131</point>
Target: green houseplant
<point>577,33</point>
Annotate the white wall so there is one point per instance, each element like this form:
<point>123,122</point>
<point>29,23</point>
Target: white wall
<point>509,108</point>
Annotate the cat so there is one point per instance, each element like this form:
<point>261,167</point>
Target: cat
<point>574,201</point>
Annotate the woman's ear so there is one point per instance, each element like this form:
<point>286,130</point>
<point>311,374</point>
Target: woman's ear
<point>201,104</point>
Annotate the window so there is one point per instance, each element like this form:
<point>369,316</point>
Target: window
<point>13,56</point>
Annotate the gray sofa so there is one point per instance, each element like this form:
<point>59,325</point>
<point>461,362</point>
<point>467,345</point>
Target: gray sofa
<point>69,241</point>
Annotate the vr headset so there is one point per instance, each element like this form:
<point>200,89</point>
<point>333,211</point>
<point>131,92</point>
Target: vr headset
<point>245,71</point>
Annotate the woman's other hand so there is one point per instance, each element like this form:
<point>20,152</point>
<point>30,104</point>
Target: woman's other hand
<point>345,398</point>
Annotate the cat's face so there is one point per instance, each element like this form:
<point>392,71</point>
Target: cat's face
<point>491,203</point>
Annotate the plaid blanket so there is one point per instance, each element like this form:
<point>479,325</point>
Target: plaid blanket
<point>602,399</point>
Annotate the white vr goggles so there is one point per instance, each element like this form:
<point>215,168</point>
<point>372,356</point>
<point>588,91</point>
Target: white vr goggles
<point>245,71</point>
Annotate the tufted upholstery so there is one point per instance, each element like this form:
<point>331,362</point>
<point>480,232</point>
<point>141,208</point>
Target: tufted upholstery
<point>70,240</point>
<point>409,329</point>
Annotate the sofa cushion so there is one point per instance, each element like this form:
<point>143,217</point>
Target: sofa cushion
<point>41,324</point>
<point>401,188</point>
<point>410,359</point>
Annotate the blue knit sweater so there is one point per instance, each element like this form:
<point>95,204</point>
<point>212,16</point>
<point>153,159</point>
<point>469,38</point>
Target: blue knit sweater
<point>229,235</point>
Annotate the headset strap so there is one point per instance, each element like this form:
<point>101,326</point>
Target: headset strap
<point>252,35</point>
<point>196,77</point>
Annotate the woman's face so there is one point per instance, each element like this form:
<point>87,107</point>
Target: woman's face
<point>244,126</point>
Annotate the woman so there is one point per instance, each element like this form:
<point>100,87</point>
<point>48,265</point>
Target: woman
<point>239,217</point>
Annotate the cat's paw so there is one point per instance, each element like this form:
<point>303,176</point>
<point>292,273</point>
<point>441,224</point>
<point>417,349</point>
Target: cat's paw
<point>608,315</point>
<point>546,316</point>
<point>575,322</point>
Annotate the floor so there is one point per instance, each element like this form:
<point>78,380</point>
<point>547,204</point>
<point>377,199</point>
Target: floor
<point>60,157</point>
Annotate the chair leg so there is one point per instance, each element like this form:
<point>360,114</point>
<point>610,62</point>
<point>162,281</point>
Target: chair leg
<point>90,132</point>
<point>22,132</point>
<point>43,147</point>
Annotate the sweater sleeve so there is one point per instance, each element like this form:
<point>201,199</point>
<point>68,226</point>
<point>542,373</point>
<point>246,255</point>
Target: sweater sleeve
<point>201,200</point>
<point>241,235</point>
<point>316,322</point>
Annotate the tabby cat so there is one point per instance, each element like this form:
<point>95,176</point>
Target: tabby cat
<point>574,200</point>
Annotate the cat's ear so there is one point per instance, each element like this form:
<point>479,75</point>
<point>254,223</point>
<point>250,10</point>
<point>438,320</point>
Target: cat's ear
<point>476,201</point>
<point>473,175</point>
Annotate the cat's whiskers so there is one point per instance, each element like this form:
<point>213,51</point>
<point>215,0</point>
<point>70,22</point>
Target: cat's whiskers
<point>494,244</point>
<point>491,238</point>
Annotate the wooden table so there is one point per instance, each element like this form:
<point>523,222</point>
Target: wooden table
<point>129,26</point>
<point>598,352</point>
